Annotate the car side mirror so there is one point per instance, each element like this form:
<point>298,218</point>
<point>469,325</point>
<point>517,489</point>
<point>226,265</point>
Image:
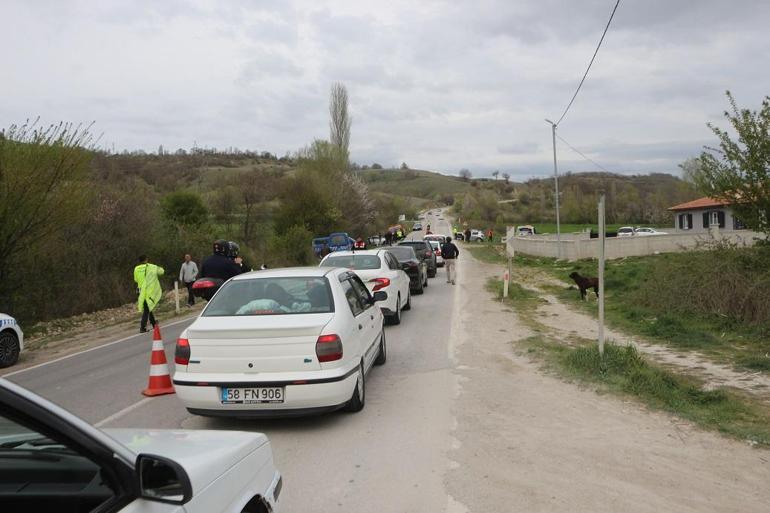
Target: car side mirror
<point>162,480</point>
<point>380,295</point>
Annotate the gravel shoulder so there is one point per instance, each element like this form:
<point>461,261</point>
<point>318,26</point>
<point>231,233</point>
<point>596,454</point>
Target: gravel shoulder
<point>526,440</point>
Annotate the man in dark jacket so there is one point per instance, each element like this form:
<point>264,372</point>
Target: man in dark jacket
<point>219,265</point>
<point>450,253</point>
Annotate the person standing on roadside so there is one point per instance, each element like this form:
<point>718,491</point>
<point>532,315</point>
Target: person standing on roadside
<point>467,235</point>
<point>187,275</point>
<point>150,293</point>
<point>450,253</point>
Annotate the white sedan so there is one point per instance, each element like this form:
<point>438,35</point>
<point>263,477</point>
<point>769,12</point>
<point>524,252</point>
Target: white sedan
<point>646,232</point>
<point>379,270</point>
<point>51,460</point>
<point>282,342</point>
<point>11,340</point>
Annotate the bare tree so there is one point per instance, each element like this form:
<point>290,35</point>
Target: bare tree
<point>506,177</point>
<point>465,174</point>
<point>495,174</point>
<point>339,124</point>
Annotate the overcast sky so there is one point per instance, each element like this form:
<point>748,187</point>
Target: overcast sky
<point>441,85</point>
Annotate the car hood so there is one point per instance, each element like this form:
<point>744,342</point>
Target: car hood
<point>205,455</point>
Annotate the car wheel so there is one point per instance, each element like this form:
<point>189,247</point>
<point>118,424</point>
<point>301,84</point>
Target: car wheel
<point>419,290</point>
<point>358,399</point>
<point>9,349</point>
<point>432,273</point>
<point>395,319</point>
<point>408,305</point>
<point>425,284</point>
<point>382,356</point>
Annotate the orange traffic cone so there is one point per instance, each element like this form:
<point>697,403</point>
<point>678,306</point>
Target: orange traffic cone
<point>160,379</point>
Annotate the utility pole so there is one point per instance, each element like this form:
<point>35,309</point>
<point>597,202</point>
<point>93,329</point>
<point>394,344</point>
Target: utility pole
<point>556,185</point>
<point>602,231</point>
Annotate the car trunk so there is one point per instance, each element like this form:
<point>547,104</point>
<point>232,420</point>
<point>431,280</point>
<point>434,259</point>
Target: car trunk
<point>270,343</point>
<point>369,274</point>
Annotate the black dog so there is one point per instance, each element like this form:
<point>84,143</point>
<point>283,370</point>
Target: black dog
<point>584,283</point>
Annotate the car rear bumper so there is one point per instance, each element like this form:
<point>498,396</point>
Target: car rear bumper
<point>302,396</point>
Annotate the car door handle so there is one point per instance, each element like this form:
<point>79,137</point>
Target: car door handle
<point>360,327</point>
<point>371,317</point>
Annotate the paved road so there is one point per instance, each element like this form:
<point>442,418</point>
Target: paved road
<point>389,457</point>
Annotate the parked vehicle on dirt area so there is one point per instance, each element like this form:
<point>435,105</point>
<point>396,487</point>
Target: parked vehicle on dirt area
<point>477,236</point>
<point>379,270</point>
<point>319,246</point>
<point>416,268</point>
<point>646,232</point>
<point>525,230</point>
<point>11,340</point>
<point>283,342</point>
<point>626,231</point>
<point>55,461</point>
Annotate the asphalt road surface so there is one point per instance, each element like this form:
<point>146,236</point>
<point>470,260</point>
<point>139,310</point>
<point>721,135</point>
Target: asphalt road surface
<point>391,457</point>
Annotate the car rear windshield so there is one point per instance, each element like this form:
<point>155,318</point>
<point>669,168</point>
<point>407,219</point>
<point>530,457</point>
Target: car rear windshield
<point>272,296</point>
<point>403,253</point>
<point>356,262</point>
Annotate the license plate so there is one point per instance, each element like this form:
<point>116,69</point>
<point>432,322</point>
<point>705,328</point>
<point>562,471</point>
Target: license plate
<point>252,395</point>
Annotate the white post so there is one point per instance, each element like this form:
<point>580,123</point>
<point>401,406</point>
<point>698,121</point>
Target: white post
<point>602,231</point>
<point>506,279</point>
<point>556,186</point>
<point>176,295</point>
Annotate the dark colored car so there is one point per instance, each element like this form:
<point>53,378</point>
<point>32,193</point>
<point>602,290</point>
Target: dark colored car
<point>424,251</point>
<point>415,267</point>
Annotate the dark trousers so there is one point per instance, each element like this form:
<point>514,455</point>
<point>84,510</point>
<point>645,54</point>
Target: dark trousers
<point>147,313</point>
<point>190,297</point>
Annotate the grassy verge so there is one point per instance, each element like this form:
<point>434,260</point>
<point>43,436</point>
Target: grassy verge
<point>624,371</point>
<point>519,297</point>
<point>718,336</point>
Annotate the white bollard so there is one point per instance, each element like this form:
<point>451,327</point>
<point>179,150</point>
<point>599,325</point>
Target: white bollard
<point>506,280</point>
<point>176,295</point>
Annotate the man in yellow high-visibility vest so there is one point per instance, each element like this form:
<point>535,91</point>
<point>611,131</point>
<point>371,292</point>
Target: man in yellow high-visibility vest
<point>150,293</point>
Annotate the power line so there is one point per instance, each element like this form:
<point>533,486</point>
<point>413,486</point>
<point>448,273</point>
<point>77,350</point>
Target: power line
<point>590,63</point>
<point>582,155</point>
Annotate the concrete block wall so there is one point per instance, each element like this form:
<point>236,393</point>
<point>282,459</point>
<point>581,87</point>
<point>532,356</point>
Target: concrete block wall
<point>621,247</point>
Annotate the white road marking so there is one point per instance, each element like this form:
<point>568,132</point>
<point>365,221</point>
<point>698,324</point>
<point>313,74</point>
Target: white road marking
<point>127,409</point>
<point>87,350</point>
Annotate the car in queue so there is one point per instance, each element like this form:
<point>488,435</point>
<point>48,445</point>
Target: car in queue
<point>379,270</point>
<point>416,227</point>
<point>626,231</point>
<point>11,340</point>
<point>51,460</point>
<point>425,251</point>
<point>436,245</point>
<point>283,342</point>
<point>416,268</point>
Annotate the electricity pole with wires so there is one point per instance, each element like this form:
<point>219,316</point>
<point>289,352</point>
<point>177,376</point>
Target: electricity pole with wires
<point>556,185</point>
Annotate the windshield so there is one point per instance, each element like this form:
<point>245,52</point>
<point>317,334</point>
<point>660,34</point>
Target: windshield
<point>356,262</point>
<point>403,253</point>
<point>338,240</point>
<point>272,296</point>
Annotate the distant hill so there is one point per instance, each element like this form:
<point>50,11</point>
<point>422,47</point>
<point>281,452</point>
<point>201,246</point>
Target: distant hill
<point>415,183</point>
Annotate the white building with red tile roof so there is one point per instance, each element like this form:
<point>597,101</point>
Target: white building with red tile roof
<point>704,214</point>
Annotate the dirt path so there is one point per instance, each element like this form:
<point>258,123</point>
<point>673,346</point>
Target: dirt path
<point>565,323</point>
<point>528,441</point>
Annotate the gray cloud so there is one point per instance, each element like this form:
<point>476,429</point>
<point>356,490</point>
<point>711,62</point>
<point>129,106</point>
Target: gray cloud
<point>440,84</point>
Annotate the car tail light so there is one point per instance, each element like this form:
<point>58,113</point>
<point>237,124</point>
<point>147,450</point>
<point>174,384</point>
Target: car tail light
<point>182,353</point>
<point>203,284</point>
<point>438,252</point>
<point>428,254</point>
<point>379,283</point>
<point>328,348</point>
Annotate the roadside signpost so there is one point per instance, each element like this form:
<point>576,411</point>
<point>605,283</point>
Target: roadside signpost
<point>602,234</point>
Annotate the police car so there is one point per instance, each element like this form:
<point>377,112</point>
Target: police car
<point>11,340</point>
